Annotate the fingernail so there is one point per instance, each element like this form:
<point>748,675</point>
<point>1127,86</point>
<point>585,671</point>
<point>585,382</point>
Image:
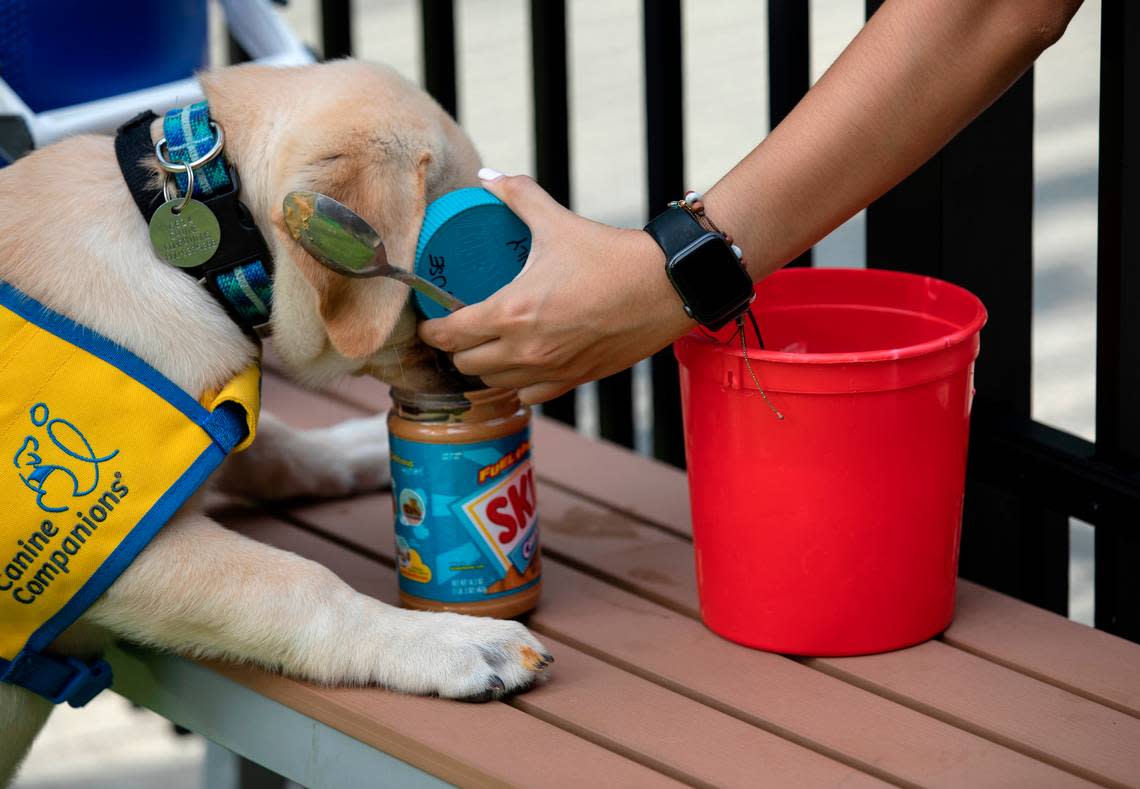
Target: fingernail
<point>489,174</point>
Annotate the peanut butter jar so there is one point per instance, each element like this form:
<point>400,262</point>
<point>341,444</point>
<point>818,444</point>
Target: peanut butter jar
<point>463,489</point>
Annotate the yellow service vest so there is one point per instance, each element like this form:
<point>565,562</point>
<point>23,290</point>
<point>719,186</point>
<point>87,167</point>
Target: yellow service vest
<point>97,451</point>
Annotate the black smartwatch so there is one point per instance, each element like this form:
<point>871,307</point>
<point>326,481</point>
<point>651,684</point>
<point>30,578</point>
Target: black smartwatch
<point>705,269</point>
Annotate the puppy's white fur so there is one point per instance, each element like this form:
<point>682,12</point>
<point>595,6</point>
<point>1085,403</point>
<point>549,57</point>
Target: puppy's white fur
<point>71,237</point>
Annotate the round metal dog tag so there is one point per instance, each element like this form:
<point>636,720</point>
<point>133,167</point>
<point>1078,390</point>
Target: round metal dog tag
<point>185,239</point>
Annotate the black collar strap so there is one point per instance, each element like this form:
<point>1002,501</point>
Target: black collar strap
<point>239,274</point>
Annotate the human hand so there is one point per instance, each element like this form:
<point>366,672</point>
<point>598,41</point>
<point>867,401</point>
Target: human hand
<point>591,300</point>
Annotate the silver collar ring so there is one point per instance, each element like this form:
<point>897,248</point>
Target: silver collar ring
<point>210,155</point>
<point>189,188</point>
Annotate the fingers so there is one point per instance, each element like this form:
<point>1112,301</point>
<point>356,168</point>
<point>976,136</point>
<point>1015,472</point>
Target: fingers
<point>523,196</point>
<point>462,329</point>
<point>540,393</point>
<point>490,358</point>
<point>499,366</point>
<point>516,378</point>
<point>496,365</point>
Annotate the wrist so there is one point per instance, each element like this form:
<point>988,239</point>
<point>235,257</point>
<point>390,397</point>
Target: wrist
<point>703,265</point>
<point>661,298</point>
<point>757,252</point>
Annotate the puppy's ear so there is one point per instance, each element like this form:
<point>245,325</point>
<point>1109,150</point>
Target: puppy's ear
<point>360,315</point>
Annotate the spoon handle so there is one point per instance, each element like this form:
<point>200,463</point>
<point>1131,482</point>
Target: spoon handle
<point>429,289</point>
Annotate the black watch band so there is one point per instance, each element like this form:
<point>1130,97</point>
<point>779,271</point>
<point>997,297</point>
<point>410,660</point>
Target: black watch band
<point>703,267</point>
<point>674,229</point>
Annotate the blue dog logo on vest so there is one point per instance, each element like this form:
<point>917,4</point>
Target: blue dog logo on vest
<point>68,467</point>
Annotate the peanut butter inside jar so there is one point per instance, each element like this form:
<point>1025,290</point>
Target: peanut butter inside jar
<point>464,497</point>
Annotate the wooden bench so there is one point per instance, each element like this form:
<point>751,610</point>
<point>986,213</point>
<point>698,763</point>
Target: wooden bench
<point>642,694</point>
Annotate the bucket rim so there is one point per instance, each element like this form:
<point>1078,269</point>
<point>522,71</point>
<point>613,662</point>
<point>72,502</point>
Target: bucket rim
<point>956,337</point>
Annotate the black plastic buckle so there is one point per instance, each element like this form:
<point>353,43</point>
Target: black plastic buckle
<point>241,242</point>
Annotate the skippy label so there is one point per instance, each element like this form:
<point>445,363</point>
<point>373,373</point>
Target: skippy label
<point>466,518</point>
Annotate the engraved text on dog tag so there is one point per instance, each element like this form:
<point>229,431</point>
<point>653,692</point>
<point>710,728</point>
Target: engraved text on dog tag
<point>185,239</point>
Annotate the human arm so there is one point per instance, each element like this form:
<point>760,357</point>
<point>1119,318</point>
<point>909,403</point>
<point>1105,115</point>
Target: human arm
<point>594,299</point>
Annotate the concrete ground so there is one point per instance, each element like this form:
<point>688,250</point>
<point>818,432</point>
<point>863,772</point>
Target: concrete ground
<point>111,745</point>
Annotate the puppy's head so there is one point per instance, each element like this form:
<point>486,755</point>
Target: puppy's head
<point>369,138</point>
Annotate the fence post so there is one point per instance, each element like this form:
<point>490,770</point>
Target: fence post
<point>1118,307</point>
<point>336,29</point>
<point>552,128</point>
<point>665,152</point>
<point>437,28</point>
<point>789,67</point>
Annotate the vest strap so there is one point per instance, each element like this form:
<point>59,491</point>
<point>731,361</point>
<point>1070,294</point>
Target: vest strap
<point>58,679</point>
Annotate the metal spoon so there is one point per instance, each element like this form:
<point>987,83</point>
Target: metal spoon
<point>342,240</point>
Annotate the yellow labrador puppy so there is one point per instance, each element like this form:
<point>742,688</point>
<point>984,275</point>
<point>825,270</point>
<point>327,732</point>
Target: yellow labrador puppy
<point>71,237</point>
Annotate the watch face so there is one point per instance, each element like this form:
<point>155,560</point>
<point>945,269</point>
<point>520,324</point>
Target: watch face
<point>710,278</point>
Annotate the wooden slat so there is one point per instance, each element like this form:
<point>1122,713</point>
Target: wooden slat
<point>989,699</point>
<point>470,744</point>
<point>652,722</point>
<point>1038,719</point>
<point>653,726</point>
<point>645,489</point>
<point>1033,641</point>
<point>673,650</point>
<point>625,552</point>
<point>307,409</point>
<point>1037,642</point>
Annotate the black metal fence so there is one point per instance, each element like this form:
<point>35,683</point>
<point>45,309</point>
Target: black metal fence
<point>966,216</point>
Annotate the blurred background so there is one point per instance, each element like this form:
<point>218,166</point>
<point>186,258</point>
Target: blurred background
<point>726,113</point>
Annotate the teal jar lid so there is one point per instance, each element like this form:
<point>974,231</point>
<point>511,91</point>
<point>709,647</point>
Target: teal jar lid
<point>471,244</point>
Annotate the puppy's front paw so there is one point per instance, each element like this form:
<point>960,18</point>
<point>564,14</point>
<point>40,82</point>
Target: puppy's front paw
<point>354,456</point>
<point>283,463</point>
<point>347,458</point>
<point>472,658</point>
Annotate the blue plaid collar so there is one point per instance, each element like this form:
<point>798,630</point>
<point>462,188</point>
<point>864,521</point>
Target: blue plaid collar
<point>246,288</point>
<point>239,275</point>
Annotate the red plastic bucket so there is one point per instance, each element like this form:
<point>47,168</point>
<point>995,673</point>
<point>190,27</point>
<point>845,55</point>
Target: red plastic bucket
<point>835,530</point>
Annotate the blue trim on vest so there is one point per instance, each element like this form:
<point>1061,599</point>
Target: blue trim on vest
<point>226,425</point>
<point>131,546</point>
<point>96,344</point>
